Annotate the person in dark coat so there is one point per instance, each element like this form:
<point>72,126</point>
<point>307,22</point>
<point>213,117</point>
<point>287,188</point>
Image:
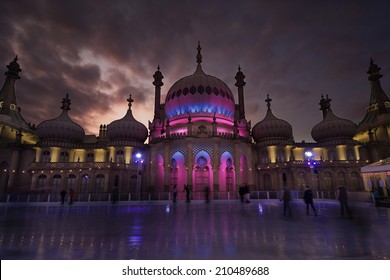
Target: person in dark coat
<point>342,196</point>
<point>187,190</point>
<point>308,199</point>
<point>286,202</point>
<point>174,194</point>
<point>63,194</point>
<point>115,195</point>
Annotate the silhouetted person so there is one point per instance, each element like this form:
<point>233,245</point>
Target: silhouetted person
<point>71,196</point>
<point>187,190</point>
<point>241,193</point>
<point>207,194</point>
<point>286,202</point>
<point>115,195</point>
<point>342,196</point>
<point>246,193</point>
<point>63,194</point>
<point>308,199</point>
<point>174,194</point>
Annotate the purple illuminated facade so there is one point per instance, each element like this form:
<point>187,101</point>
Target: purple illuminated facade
<point>199,137</point>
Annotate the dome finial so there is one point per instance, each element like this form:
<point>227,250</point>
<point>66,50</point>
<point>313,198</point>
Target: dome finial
<point>373,71</point>
<point>268,100</point>
<point>199,55</point>
<point>130,100</point>
<point>13,69</point>
<point>158,77</point>
<point>66,103</point>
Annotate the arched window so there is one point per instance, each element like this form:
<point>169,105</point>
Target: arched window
<point>85,179</point>
<point>45,156</point>
<point>90,157</point>
<point>355,182</point>
<point>327,183</point>
<point>229,175</point>
<point>120,156</point>
<point>301,184</point>
<point>280,155</point>
<point>71,183</point>
<point>332,155</point>
<point>99,183</point>
<point>341,179</point>
<point>64,156</point>
<point>42,181</point>
<point>350,154</point>
<point>264,156</point>
<point>56,183</point>
<point>173,174</point>
<point>267,182</point>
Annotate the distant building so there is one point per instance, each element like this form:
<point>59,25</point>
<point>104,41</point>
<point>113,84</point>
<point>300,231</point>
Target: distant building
<point>199,136</point>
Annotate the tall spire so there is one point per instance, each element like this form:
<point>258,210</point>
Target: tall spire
<point>199,69</point>
<point>199,55</point>
<point>240,83</point>
<point>13,69</point>
<point>7,93</point>
<point>158,83</point>
<point>373,71</point>
<point>379,102</point>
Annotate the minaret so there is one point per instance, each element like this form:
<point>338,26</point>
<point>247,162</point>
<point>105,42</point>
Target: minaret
<point>378,96</point>
<point>7,93</point>
<point>240,85</point>
<point>158,83</point>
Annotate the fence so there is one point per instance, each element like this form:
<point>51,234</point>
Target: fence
<point>167,196</point>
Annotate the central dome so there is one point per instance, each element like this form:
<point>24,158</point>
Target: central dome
<point>200,96</point>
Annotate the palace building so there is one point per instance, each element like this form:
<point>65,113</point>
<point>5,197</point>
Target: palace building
<point>199,136</point>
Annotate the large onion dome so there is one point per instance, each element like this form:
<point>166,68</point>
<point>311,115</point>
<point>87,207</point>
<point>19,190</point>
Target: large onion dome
<point>61,128</point>
<point>200,95</point>
<point>332,128</point>
<point>127,128</point>
<point>272,130</point>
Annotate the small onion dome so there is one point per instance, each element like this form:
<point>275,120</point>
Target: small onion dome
<point>200,95</point>
<point>333,127</point>
<point>272,130</point>
<point>61,128</point>
<point>127,128</point>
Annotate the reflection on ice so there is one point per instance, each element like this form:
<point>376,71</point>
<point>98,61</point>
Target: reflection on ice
<point>217,230</point>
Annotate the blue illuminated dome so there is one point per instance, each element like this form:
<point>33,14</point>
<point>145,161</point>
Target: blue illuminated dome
<point>200,95</point>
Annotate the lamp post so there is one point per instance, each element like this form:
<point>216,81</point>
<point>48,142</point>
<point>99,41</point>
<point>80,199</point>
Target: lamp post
<point>313,170</point>
<point>139,162</point>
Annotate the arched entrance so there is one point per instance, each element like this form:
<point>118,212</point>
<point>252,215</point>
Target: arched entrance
<point>202,174</point>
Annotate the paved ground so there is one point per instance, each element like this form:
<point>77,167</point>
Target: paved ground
<point>218,230</point>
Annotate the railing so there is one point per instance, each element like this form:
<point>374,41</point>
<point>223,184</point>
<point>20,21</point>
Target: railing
<point>167,196</point>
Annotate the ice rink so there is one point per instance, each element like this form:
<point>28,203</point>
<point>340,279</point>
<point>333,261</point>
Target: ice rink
<point>216,230</point>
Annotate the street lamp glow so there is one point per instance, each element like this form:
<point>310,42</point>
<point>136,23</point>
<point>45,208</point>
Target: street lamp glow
<point>138,155</point>
<point>308,154</point>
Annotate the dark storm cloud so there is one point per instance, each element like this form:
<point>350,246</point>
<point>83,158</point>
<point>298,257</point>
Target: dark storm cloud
<point>100,52</point>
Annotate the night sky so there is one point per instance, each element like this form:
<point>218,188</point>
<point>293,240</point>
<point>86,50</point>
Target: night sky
<point>101,51</point>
